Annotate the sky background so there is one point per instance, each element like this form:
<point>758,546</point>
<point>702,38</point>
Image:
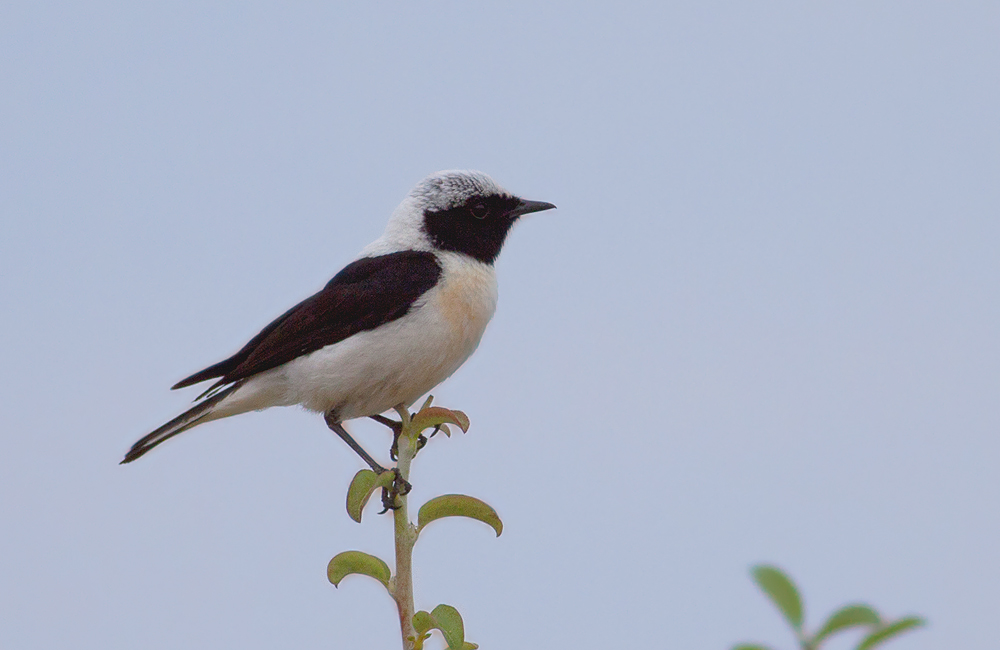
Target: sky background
<point>762,325</point>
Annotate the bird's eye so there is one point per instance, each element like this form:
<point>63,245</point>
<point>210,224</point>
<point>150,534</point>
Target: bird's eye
<point>479,211</point>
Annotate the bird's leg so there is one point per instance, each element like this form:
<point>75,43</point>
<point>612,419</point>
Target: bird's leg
<point>399,486</point>
<point>339,429</point>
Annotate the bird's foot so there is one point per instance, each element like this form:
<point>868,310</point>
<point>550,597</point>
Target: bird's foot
<point>399,487</point>
<point>397,430</point>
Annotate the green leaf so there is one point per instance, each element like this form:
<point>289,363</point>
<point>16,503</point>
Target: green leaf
<point>750,646</point>
<point>889,631</point>
<point>782,592</point>
<point>448,621</point>
<point>364,483</point>
<point>349,562</point>
<point>423,622</point>
<point>431,416</point>
<point>847,617</point>
<point>458,505</point>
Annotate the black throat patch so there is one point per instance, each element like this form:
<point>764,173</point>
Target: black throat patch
<point>477,228</point>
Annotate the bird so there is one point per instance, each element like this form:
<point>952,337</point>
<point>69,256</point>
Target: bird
<point>393,324</point>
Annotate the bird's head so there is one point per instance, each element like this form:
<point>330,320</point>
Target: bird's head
<point>461,211</point>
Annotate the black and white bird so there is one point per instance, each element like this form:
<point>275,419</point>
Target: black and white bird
<point>387,329</point>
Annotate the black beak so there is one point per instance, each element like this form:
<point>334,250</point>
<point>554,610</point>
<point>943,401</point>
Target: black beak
<point>527,207</point>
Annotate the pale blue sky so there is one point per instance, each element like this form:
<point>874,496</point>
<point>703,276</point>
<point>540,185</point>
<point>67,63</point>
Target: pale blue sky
<point>762,325</point>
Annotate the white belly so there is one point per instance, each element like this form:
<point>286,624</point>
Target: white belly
<point>398,362</point>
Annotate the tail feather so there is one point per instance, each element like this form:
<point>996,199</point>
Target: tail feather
<point>182,422</point>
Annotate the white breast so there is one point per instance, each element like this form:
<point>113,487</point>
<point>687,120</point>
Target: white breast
<point>398,362</point>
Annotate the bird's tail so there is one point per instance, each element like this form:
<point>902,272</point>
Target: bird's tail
<point>195,415</point>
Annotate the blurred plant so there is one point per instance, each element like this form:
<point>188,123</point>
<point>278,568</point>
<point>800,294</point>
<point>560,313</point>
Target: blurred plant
<point>415,627</point>
<point>782,592</point>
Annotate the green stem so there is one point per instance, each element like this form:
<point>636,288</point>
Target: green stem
<point>406,537</point>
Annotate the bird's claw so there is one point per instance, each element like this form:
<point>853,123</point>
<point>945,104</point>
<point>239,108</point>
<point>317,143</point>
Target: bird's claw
<point>397,430</point>
<point>399,487</point>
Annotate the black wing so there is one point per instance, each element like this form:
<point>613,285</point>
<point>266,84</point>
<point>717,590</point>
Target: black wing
<point>369,292</point>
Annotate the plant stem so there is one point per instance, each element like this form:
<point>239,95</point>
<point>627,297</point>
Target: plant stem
<point>406,537</point>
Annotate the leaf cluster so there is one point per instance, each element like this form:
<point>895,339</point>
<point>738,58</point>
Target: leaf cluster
<point>780,589</point>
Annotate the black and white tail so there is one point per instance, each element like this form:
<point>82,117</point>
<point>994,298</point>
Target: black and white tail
<point>183,422</point>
